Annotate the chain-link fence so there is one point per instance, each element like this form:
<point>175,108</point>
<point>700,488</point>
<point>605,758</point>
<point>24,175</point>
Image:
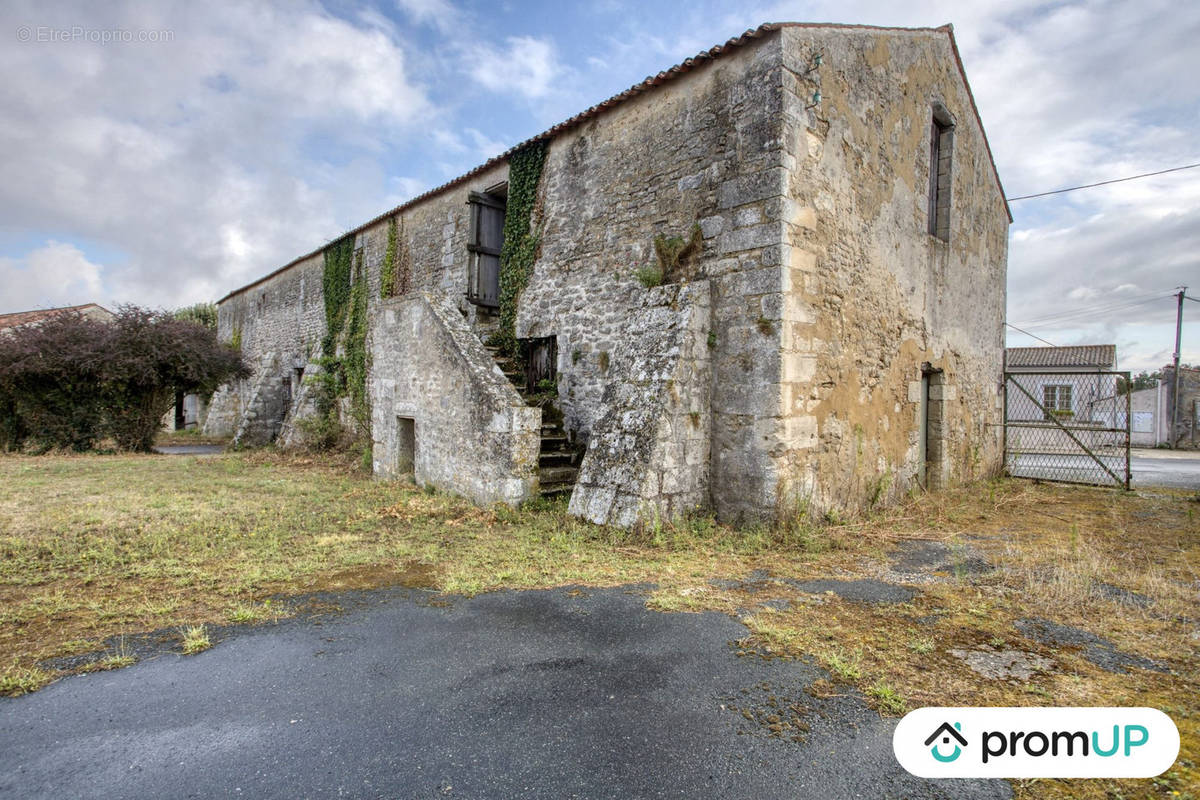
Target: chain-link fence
<point>1067,426</point>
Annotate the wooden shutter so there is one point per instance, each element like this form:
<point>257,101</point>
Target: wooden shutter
<point>484,242</point>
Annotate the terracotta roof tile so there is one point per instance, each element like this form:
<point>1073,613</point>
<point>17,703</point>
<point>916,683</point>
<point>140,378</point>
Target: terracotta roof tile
<point>1084,355</point>
<point>19,318</point>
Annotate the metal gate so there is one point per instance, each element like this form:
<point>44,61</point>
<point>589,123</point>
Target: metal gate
<point>1071,427</point>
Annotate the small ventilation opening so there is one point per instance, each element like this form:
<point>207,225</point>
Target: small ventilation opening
<point>406,445</point>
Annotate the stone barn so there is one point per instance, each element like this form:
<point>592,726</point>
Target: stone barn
<point>769,279</point>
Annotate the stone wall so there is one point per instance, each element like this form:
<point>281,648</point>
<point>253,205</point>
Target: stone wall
<point>279,323</point>
<point>871,299</point>
<point>704,148</point>
<point>649,455</point>
<point>826,296</point>
<point>1188,416</point>
<point>470,432</point>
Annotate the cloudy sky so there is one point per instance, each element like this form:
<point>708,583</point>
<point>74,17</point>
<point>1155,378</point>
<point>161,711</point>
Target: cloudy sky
<point>213,142</point>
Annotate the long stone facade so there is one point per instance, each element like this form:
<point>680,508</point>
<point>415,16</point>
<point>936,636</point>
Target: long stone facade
<point>782,365</point>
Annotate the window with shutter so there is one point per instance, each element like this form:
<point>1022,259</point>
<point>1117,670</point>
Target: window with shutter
<point>485,238</point>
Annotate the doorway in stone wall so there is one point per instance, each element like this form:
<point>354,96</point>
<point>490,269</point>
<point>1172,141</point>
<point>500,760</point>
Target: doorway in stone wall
<point>930,437</point>
<point>406,445</point>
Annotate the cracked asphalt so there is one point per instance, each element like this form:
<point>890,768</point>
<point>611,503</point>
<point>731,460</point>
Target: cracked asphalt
<point>556,693</point>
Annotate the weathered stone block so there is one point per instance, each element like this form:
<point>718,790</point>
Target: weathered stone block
<point>746,189</point>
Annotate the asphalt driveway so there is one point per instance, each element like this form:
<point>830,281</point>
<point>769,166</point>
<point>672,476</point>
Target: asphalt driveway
<point>1178,469</point>
<point>553,693</point>
<point>1173,469</point>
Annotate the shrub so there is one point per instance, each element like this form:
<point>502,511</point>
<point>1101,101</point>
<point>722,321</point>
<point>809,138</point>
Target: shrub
<point>650,275</point>
<point>69,381</point>
<point>50,383</point>
<point>149,357</point>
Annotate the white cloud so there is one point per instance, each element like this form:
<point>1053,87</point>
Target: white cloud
<point>56,274</point>
<point>196,157</point>
<point>485,146</point>
<point>527,66</point>
<point>264,129</point>
<point>439,13</point>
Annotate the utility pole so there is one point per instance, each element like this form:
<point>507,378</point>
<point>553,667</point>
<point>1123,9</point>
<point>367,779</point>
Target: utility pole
<point>1175,388</point>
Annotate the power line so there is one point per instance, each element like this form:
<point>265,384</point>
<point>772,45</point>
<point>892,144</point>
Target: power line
<point>1027,333</point>
<point>1099,308</point>
<point>1083,313</point>
<point>1103,183</point>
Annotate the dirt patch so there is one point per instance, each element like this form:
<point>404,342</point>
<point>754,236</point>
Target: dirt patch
<point>769,711</point>
<point>411,575</point>
<point>1121,595</point>
<point>1003,665</point>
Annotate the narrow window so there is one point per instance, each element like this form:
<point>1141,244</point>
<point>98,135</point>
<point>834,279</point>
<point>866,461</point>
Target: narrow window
<point>484,240</point>
<point>941,148</point>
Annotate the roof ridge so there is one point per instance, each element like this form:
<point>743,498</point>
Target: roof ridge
<point>650,82</point>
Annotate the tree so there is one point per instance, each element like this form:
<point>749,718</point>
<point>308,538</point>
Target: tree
<point>1143,380</point>
<point>201,313</point>
<point>152,355</point>
<point>70,380</point>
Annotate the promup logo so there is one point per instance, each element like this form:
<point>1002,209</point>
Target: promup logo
<point>1036,742</point>
<point>947,733</point>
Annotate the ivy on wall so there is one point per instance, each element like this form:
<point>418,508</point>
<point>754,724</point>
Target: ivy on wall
<point>343,348</point>
<point>354,360</point>
<point>395,277</point>
<point>335,284</point>
<point>519,250</point>
<point>387,273</point>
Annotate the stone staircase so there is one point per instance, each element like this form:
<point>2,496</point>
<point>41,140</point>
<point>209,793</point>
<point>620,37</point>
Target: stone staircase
<point>558,459</point>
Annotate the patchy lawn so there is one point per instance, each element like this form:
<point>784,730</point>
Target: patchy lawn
<point>1050,588</point>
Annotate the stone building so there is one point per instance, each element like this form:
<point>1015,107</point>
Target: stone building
<point>823,207</point>
<point>20,319</point>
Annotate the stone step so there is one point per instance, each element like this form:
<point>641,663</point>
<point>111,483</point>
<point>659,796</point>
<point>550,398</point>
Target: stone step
<point>548,476</point>
<point>556,490</point>
<point>555,458</point>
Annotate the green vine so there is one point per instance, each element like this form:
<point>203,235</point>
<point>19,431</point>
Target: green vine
<point>335,284</point>
<point>343,347</point>
<point>519,250</point>
<point>387,274</point>
<point>396,275</point>
<point>354,361</point>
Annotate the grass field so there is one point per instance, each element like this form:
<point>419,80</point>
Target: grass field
<point>94,547</point>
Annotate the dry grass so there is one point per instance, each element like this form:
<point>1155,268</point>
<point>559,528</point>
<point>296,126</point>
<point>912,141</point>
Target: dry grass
<point>96,546</point>
<point>195,640</point>
<point>93,547</point>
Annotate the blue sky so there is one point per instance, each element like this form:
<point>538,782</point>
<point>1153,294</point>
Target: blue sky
<point>169,171</point>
